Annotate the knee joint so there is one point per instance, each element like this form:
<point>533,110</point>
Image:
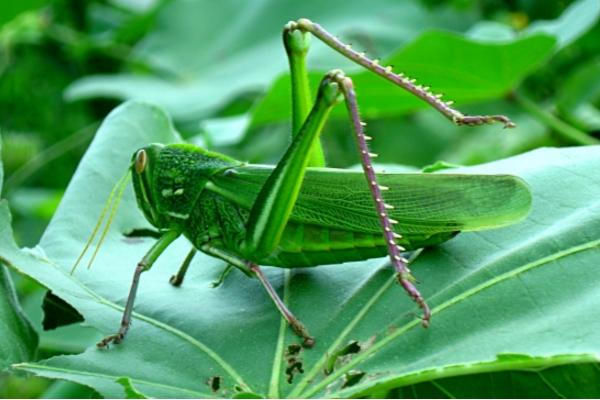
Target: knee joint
<point>296,39</point>
<point>333,85</point>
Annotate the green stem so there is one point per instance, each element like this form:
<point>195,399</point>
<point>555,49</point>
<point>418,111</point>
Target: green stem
<point>49,154</point>
<point>279,349</point>
<point>565,130</point>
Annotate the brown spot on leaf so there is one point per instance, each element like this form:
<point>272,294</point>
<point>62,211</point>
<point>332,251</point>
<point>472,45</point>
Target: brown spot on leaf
<point>214,383</point>
<point>294,361</point>
<point>351,378</point>
<point>293,349</point>
<point>341,355</point>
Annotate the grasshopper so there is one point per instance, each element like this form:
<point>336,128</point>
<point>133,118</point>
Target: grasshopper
<point>301,214</point>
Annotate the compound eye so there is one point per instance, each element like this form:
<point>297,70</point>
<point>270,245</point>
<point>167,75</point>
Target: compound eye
<point>141,159</point>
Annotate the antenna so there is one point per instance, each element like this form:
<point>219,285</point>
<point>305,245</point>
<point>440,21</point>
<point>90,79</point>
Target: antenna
<point>112,203</point>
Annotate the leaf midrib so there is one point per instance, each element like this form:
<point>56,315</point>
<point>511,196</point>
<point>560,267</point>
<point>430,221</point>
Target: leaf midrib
<point>318,366</point>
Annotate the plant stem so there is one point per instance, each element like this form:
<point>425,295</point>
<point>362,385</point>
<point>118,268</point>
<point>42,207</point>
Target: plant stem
<point>49,154</point>
<point>565,130</point>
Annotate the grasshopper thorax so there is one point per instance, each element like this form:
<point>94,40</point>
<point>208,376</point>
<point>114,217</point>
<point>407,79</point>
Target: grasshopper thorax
<point>168,180</point>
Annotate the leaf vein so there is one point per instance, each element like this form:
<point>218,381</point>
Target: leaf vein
<point>455,300</point>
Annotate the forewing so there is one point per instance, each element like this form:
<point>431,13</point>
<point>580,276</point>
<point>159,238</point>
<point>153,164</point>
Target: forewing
<point>423,203</point>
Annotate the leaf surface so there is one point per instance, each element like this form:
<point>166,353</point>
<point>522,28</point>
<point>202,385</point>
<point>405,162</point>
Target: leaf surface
<point>511,299</point>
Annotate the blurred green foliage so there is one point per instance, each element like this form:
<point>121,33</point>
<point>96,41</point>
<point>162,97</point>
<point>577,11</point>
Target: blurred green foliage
<point>220,70</point>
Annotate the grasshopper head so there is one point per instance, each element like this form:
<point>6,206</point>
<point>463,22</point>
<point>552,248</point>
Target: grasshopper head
<point>168,180</point>
<point>143,168</point>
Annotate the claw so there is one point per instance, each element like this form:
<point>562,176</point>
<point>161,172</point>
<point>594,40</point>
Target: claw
<point>175,281</point>
<point>116,339</point>
<point>301,331</point>
<point>309,342</point>
<point>406,281</point>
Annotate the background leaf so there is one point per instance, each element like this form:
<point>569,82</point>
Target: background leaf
<point>574,22</point>
<point>233,46</point>
<point>577,97</point>
<point>517,298</point>
<point>19,340</point>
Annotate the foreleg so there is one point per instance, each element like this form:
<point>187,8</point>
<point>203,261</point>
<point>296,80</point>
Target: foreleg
<point>177,279</point>
<point>144,265</point>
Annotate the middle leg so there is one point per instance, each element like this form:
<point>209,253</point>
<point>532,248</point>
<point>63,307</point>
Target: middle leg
<point>297,326</point>
<point>177,279</point>
<point>253,270</point>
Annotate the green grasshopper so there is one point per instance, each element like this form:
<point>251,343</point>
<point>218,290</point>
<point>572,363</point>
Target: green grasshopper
<point>300,214</point>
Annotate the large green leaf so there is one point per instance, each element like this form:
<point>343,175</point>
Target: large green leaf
<point>576,20</point>
<point>19,340</point>
<point>204,53</point>
<point>517,298</point>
